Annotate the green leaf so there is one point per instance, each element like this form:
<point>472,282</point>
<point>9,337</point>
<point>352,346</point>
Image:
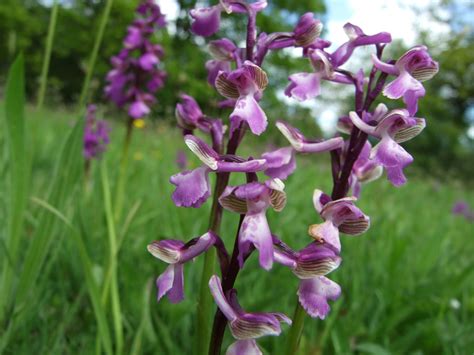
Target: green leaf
<point>18,174</point>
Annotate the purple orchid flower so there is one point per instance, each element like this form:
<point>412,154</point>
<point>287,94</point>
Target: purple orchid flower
<point>253,199</point>
<point>189,117</point>
<point>411,69</point>
<point>176,254</point>
<point>96,135</point>
<point>243,85</point>
<point>304,86</point>
<point>310,265</point>
<point>393,128</point>
<point>244,326</point>
<point>307,30</point>
<point>207,20</point>
<point>192,187</point>
<point>339,216</point>
<point>364,170</point>
<point>357,38</point>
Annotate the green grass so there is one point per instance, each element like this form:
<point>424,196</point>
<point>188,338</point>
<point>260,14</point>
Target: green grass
<point>399,280</point>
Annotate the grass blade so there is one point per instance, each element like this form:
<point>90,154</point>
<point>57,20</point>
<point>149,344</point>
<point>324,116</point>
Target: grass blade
<point>92,287</point>
<point>47,54</point>
<point>18,174</point>
<point>67,176</point>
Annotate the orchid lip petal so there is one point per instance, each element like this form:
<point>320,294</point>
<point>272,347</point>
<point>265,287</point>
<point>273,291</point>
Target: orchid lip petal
<point>314,294</point>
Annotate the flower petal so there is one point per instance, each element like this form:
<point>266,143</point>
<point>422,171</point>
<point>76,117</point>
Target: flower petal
<point>168,251</point>
<point>326,232</point>
<point>192,187</point>
<point>170,282</point>
<point>255,230</point>
<point>205,153</point>
<point>408,133</point>
<point>247,109</point>
<point>220,299</point>
<point>316,260</point>
<point>206,20</point>
<point>231,202</point>
<point>403,83</point>
<point>244,347</point>
<point>394,158</point>
<point>281,163</point>
<point>304,86</point>
<point>314,294</point>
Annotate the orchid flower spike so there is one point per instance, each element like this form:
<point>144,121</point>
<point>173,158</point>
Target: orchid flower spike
<point>340,215</point>
<point>411,69</point>
<point>192,187</point>
<point>252,200</point>
<point>395,127</point>
<point>244,85</point>
<point>244,326</point>
<point>176,253</point>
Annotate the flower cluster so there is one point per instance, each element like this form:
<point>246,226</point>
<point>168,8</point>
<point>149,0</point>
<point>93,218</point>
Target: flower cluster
<point>96,135</point>
<point>237,74</point>
<point>136,76</point>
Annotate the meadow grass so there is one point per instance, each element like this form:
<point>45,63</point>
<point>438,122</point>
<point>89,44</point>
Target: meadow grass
<point>408,283</point>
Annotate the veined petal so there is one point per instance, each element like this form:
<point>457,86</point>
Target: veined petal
<point>247,109</point>
<point>192,187</point>
<point>355,226</point>
<point>307,30</point>
<point>244,347</point>
<point>168,251</point>
<point>257,74</point>
<point>231,202</point>
<point>205,153</point>
<point>314,294</point>
<point>326,232</point>
<point>408,133</point>
<point>304,86</point>
<point>277,194</point>
<point>255,230</point>
<point>226,87</point>
<point>316,260</point>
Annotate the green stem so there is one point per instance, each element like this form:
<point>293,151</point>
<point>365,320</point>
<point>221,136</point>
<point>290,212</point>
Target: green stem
<point>122,178</point>
<point>296,329</point>
<point>95,52</point>
<point>116,312</point>
<point>47,54</point>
